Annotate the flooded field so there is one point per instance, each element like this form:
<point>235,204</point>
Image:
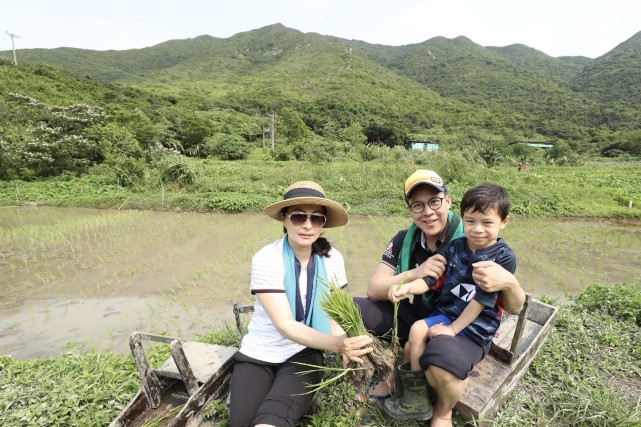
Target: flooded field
<point>88,278</point>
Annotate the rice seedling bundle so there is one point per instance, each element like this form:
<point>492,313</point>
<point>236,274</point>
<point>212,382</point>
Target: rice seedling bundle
<point>340,307</point>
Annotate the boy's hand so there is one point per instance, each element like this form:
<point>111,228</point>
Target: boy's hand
<point>398,292</point>
<point>441,329</point>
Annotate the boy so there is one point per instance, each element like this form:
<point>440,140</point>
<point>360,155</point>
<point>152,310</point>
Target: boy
<point>463,307</point>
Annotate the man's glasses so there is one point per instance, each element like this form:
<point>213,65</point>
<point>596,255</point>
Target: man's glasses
<point>299,218</point>
<point>434,203</point>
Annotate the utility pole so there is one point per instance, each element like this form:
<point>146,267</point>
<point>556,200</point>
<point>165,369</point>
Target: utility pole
<point>13,45</point>
<point>273,130</point>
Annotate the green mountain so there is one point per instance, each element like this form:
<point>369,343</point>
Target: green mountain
<point>614,77</point>
<point>286,64</point>
<point>509,79</point>
<point>448,90</point>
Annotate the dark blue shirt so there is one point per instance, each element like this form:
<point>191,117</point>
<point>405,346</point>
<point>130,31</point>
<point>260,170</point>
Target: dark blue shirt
<point>459,289</point>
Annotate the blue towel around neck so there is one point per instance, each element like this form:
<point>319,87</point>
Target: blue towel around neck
<point>315,316</point>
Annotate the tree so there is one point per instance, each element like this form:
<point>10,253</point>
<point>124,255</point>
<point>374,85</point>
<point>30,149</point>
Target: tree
<point>490,154</point>
<point>192,131</point>
<point>625,142</point>
<point>353,134</point>
<point>291,126</point>
<point>389,133</point>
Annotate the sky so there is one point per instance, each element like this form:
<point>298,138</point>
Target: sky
<point>556,27</point>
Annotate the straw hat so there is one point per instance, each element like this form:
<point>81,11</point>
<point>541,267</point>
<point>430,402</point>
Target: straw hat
<point>309,193</point>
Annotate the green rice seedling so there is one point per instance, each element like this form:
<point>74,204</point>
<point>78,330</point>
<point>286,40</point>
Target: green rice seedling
<point>159,419</point>
<point>396,345</point>
<point>340,307</point>
<point>341,372</point>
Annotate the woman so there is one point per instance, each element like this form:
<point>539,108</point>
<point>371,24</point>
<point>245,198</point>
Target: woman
<point>289,278</point>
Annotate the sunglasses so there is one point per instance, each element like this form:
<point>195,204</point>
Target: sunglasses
<point>299,218</point>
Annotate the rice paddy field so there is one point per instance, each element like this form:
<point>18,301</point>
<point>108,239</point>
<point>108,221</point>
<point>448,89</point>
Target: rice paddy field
<point>86,278</point>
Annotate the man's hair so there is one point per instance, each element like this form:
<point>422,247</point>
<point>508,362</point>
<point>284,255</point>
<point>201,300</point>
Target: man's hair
<point>486,196</point>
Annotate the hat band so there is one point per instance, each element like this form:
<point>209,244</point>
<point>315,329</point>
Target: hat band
<point>303,192</point>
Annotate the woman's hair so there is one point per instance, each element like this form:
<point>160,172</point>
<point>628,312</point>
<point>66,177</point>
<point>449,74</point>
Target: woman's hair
<point>321,246</point>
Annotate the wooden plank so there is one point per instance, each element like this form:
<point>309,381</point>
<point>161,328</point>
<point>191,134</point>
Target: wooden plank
<point>184,367</point>
<point>505,333</point>
<point>129,416</point>
<point>150,381</point>
<point>238,310</point>
<point>541,312</point>
<point>518,330</point>
<point>486,378</point>
<point>191,414</point>
<point>518,369</point>
<point>204,359</point>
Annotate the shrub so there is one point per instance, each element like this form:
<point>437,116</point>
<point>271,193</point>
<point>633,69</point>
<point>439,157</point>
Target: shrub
<point>226,147</point>
<point>178,170</point>
<point>617,300</point>
<point>128,170</point>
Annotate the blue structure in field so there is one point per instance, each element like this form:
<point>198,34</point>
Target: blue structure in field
<point>430,147</point>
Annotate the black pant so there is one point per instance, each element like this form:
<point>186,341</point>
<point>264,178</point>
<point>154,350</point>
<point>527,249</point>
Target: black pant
<point>272,393</point>
<point>457,355</point>
<point>378,317</point>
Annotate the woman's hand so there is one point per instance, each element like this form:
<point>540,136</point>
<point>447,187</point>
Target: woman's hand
<point>353,348</point>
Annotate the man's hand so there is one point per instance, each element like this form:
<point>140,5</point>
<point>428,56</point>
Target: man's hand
<point>491,277</point>
<point>434,266</point>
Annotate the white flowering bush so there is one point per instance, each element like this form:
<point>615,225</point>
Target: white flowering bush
<point>57,139</point>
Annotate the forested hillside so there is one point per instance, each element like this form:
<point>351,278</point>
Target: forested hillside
<point>614,78</point>
<point>331,98</point>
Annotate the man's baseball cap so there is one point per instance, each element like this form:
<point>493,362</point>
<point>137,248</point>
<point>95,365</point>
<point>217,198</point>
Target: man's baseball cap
<point>423,177</point>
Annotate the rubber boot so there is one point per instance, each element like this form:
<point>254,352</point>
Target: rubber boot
<point>413,404</point>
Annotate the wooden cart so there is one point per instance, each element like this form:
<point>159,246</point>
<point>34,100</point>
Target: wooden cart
<point>518,341</point>
<point>178,391</point>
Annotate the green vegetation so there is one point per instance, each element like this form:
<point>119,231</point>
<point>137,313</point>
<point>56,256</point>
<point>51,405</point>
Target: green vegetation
<point>179,126</point>
<point>333,98</point>
<point>587,373</point>
<point>374,187</point>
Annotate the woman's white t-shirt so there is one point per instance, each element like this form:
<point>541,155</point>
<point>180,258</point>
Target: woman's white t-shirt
<point>263,341</point>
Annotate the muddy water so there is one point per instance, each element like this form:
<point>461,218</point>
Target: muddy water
<point>87,278</point>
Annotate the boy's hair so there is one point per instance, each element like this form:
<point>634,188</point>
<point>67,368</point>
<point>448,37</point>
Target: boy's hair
<point>486,196</point>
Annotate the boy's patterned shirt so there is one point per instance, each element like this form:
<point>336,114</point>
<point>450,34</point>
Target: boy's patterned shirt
<point>459,288</point>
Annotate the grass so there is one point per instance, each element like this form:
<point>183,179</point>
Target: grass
<point>594,190</point>
<point>588,373</point>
